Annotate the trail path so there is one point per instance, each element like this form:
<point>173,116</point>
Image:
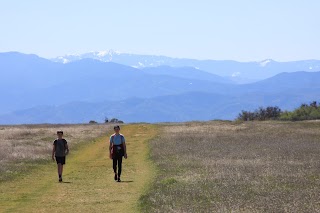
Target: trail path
<point>88,176</point>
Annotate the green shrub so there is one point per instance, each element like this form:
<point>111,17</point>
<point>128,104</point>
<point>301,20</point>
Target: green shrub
<point>304,112</point>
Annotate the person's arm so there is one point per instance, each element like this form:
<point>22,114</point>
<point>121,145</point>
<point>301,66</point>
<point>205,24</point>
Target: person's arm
<point>110,147</point>
<point>67,148</point>
<point>123,140</point>
<point>125,150</point>
<point>53,152</point>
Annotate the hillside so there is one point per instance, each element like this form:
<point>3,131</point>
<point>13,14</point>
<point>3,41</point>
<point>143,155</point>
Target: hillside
<point>37,90</point>
<point>32,81</point>
<point>173,108</point>
<point>186,72</point>
<point>297,81</point>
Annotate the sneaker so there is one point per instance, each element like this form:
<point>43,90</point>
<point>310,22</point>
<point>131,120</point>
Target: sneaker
<point>119,179</point>
<point>60,179</point>
<point>115,177</point>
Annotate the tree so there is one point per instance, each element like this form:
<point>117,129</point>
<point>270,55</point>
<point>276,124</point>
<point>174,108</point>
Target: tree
<point>273,112</point>
<point>314,104</point>
<point>304,112</point>
<point>246,116</point>
<point>261,114</point>
<point>115,120</point>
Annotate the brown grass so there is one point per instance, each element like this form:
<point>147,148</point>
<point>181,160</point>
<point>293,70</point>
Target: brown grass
<point>88,179</point>
<point>236,167</point>
<point>88,176</point>
<point>23,145</point>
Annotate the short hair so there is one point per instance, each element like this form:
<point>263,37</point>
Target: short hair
<point>60,132</point>
<point>116,127</point>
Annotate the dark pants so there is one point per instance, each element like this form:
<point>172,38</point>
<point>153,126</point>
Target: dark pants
<point>117,160</point>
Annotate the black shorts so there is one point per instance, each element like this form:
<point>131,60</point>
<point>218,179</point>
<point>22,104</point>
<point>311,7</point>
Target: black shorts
<point>61,160</point>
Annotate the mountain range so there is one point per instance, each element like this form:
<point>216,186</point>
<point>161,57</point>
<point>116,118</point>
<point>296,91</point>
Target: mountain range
<point>38,90</point>
<point>239,72</point>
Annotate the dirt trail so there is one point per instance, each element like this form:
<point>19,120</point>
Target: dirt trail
<point>88,176</point>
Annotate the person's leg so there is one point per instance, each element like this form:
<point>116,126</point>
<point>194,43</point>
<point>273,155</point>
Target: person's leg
<point>119,167</point>
<point>59,171</point>
<point>114,161</point>
<point>63,161</point>
<point>60,162</point>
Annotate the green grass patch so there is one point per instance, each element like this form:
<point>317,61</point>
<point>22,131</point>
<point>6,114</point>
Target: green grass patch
<point>168,182</point>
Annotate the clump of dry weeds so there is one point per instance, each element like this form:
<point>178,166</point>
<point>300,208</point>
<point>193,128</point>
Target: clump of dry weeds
<point>23,145</point>
<point>236,167</point>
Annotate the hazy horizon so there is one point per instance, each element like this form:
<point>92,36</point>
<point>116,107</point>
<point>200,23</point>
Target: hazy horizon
<point>145,54</point>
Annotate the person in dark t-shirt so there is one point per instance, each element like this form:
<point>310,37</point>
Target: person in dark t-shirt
<point>59,152</point>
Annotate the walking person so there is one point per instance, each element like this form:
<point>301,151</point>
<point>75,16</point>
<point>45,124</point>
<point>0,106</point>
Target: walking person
<point>117,150</point>
<point>59,152</point>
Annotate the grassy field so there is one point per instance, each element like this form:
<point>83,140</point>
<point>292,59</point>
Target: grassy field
<point>23,146</point>
<point>214,166</point>
<point>88,176</point>
<point>236,167</point>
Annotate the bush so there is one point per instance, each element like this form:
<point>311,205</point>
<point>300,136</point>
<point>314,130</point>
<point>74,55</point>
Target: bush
<point>304,112</point>
<point>115,120</point>
<point>261,114</point>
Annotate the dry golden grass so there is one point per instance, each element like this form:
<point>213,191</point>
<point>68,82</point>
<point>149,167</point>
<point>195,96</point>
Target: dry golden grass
<point>236,167</point>
<point>89,185</point>
<point>23,145</point>
<point>202,167</point>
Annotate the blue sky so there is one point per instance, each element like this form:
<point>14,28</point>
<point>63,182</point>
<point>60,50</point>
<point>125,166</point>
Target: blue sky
<point>246,30</point>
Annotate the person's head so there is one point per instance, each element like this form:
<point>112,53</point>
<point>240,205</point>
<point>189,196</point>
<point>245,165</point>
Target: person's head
<point>116,128</point>
<point>60,134</point>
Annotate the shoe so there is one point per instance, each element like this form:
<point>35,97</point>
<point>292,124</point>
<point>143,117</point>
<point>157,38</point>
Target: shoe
<point>115,177</point>
<point>60,180</point>
<point>119,179</point>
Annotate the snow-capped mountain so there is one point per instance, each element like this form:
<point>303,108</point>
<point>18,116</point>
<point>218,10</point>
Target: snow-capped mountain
<point>105,56</point>
<point>242,72</point>
<point>133,60</point>
<point>265,62</point>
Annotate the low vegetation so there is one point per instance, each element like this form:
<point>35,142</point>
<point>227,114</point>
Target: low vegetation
<point>236,167</point>
<point>304,112</point>
<point>88,177</point>
<point>24,145</point>
<point>216,166</point>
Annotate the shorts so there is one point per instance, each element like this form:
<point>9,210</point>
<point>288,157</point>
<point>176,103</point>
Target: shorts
<point>61,160</point>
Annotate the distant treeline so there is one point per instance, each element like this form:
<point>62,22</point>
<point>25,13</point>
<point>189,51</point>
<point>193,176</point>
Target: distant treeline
<point>304,112</point>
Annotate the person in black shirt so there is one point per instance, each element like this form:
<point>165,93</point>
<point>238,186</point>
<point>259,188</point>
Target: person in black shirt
<point>59,152</point>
